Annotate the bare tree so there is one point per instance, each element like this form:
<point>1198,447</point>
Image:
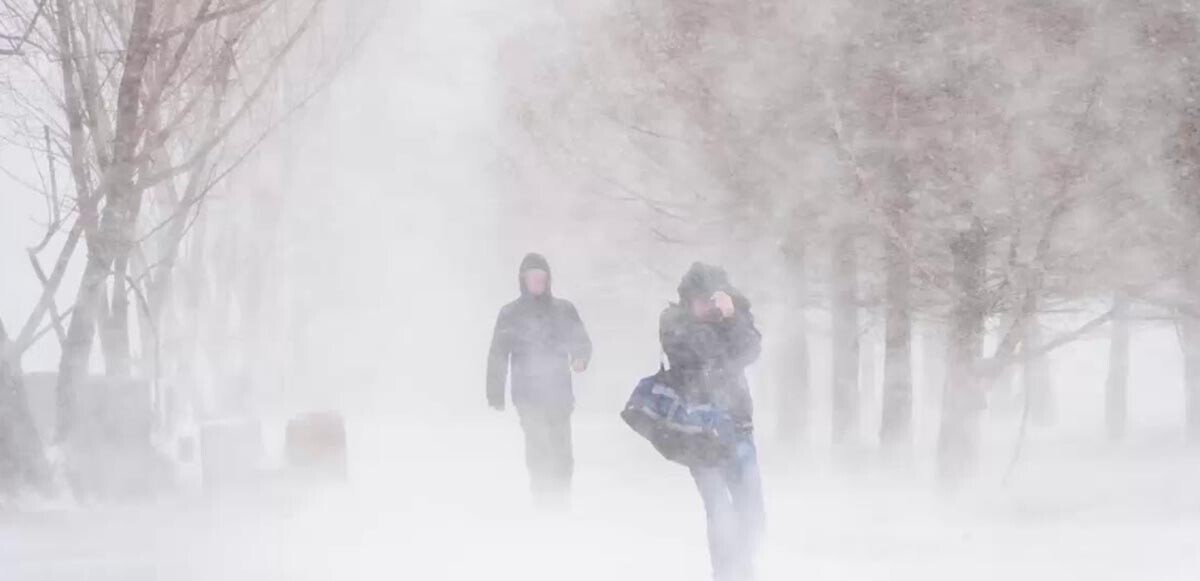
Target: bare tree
<point>986,147</point>
<point>150,105</point>
<point>1116,410</point>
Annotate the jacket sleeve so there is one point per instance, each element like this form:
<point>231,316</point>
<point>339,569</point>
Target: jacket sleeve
<point>579,342</point>
<point>743,341</point>
<point>497,366</point>
<point>678,342</point>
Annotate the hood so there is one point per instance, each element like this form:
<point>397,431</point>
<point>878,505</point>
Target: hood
<point>702,280</point>
<point>533,261</point>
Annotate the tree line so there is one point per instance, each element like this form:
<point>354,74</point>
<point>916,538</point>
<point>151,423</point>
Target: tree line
<point>977,167</point>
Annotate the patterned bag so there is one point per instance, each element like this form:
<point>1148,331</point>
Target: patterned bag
<point>692,434</point>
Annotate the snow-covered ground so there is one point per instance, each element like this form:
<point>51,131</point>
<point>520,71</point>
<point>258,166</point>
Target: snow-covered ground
<point>433,498</point>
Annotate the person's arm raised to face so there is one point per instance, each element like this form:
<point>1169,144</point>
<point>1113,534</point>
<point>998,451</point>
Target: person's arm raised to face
<point>743,341</point>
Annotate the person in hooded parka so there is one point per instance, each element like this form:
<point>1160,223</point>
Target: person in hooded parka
<point>709,338</point>
<point>538,341</point>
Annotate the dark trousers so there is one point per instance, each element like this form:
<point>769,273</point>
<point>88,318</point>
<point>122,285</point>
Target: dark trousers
<point>548,454</point>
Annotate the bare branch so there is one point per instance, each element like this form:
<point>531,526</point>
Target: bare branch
<point>185,205</point>
<point>272,70</point>
<point>207,17</point>
<point>189,34</point>
<point>55,319</point>
<point>25,338</point>
<point>17,43</point>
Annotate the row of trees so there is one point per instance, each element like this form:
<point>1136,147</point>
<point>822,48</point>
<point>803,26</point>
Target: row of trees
<point>977,167</point>
<point>141,109</point>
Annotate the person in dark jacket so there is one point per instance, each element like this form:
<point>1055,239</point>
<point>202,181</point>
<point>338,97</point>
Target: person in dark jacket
<point>545,340</point>
<point>709,338</point>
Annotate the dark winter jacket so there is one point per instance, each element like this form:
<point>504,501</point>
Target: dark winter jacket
<point>708,358</point>
<point>541,335</point>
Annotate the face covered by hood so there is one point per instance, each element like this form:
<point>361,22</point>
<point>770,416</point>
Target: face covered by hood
<point>701,281</point>
<point>534,261</point>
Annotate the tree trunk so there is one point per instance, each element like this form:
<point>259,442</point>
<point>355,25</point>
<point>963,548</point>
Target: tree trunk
<point>963,399</point>
<point>170,401</point>
<point>22,459</point>
<point>117,354</point>
<point>1190,338</point>
<point>77,350</point>
<point>794,398</point>
<point>123,198</point>
<point>114,237</point>
<point>1035,375</point>
<point>1191,366</point>
<point>868,365</point>
<point>845,339</point>
<point>228,392</point>
<point>1004,387</point>
<point>933,362</point>
<point>895,428</point>
<point>1116,410</point>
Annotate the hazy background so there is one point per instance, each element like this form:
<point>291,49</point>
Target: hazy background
<point>383,225</point>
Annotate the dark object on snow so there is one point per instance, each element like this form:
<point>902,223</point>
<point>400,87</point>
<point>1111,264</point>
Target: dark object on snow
<point>231,452</point>
<point>692,435</point>
<point>316,445</point>
<point>541,335</point>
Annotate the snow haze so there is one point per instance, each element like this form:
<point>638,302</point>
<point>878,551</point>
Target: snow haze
<point>364,221</point>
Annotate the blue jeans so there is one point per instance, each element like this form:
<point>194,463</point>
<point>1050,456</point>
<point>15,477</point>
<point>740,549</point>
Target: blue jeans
<point>733,502</point>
